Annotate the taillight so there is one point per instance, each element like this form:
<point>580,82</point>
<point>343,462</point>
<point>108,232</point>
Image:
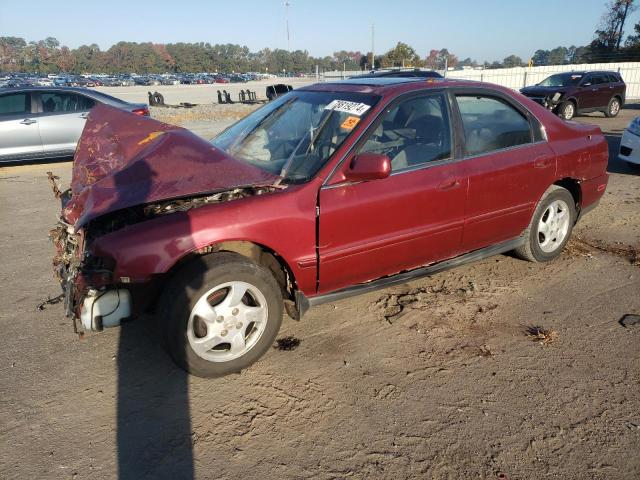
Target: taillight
<point>141,111</point>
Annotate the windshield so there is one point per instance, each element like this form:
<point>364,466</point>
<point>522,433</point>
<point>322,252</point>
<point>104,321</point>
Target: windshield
<point>295,135</point>
<point>561,80</point>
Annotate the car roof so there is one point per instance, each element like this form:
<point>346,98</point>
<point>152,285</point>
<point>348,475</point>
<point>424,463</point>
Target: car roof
<point>584,72</point>
<point>390,85</point>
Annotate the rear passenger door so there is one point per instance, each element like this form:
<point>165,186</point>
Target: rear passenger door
<point>62,117</point>
<point>602,93</point>
<point>19,133</point>
<point>508,164</point>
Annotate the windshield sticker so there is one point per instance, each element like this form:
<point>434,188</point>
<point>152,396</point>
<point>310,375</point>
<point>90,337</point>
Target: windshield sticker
<point>353,108</point>
<point>349,123</point>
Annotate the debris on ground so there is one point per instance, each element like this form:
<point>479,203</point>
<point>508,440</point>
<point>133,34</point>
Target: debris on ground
<point>393,305</point>
<point>579,247</point>
<point>630,320</point>
<point>287,343</point>
<point>50,301</point>
<point>541,335</point>
<point>485,351</point>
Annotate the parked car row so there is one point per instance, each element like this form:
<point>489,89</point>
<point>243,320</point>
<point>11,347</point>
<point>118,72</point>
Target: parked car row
<point>125,80</point>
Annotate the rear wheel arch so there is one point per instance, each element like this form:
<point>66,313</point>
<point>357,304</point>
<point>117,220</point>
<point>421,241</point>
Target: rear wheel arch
<point>573,186</point>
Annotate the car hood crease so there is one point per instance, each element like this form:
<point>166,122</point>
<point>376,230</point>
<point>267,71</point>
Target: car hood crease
<point>123,160</point>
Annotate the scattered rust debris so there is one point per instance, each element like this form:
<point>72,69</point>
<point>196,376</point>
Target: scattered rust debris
<point>541,335</point>
<point>53,180</point>
<point>579,247</point>
<point>287,343</point>
<point>630,320</point>
<point>50,301</point>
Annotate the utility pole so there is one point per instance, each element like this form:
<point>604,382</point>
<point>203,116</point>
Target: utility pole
<point>373,52</point>
<point>286,6</point>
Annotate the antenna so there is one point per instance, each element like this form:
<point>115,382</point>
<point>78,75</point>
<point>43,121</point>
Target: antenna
<point>373,53</point>
<point>286,5</point>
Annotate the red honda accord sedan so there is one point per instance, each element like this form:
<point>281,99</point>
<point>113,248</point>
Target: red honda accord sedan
<point>331,190</point>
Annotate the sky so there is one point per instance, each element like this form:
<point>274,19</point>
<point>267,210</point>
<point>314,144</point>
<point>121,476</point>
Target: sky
<point>480,29</point>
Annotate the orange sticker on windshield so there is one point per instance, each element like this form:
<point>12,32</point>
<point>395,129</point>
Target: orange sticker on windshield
<point>349,123</point>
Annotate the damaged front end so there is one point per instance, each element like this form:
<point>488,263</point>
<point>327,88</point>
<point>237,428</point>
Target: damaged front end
<point>127,170</point>
<point>90,296</point>
<point>550,101</point>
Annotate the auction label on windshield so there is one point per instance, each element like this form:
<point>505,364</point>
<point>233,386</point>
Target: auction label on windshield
<point>349,123</point>
<point>354,108</point>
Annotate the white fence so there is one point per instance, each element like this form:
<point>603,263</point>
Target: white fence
<point>519,77</point>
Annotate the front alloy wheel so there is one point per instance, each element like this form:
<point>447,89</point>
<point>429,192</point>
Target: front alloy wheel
<point>221,313</point>
<point>567,110</point>
<point>227,321</point>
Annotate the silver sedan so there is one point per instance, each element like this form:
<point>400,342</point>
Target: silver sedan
<point>46,122</point>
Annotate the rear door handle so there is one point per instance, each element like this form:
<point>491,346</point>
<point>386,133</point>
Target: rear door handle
<point>84,115</point>
<point>27,121</point>
<point>448,184</point>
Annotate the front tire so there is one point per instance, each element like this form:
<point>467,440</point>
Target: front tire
<point>567,110</point>
<point>613,108</point>
<point>220,313</point>
<point>550,226</point>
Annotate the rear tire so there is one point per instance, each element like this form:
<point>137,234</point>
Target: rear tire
<point>613,108</point>
<point>220,313</point>
<point>567,110</point>
<point>550,226</point>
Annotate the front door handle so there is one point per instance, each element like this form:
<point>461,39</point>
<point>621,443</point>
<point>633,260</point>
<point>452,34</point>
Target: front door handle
<point>84,115</point>
<point>448,184</point>
<point>542,162</point>
<point>27,121</point>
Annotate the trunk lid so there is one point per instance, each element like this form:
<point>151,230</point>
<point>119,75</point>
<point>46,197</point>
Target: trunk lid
<point>123,160</point>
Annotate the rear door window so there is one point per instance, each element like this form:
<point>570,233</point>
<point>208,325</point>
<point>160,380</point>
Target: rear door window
<point>15,104</point>
<point>600,78</point>
<point>62,102</point>
<point>491,124</point>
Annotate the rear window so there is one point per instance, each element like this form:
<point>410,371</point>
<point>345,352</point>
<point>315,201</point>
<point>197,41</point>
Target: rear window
<point>14,104</point>
<point>55,102</point>
<point>491,124</point>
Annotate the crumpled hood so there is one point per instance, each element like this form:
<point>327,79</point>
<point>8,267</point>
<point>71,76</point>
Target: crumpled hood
<point>541,91</point>
<point>123,160</point>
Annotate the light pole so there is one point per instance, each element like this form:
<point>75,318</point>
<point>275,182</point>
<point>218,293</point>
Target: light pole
<point>286,6</point>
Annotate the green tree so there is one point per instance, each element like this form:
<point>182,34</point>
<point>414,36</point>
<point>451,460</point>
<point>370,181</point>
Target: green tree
<point>512,61</point>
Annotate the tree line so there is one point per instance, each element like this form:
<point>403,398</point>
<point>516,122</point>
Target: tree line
<point>49,56</point>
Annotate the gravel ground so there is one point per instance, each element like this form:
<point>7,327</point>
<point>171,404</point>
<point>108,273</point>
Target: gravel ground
<point>451,388</point>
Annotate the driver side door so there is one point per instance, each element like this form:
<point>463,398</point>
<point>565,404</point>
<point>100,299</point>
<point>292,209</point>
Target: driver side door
<point>413,217</point>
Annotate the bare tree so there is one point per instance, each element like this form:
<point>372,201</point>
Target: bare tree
<point>611,29</point>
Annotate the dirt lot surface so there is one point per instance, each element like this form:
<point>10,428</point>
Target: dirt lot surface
<point>434,379</point>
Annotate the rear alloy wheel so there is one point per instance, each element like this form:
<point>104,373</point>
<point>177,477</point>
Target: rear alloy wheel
<point>613,108</point>
<point>550,226</point>
<point>221,313</point>
<point>567,110</point>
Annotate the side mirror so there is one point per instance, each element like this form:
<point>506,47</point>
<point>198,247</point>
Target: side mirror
<point>368,166</point>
